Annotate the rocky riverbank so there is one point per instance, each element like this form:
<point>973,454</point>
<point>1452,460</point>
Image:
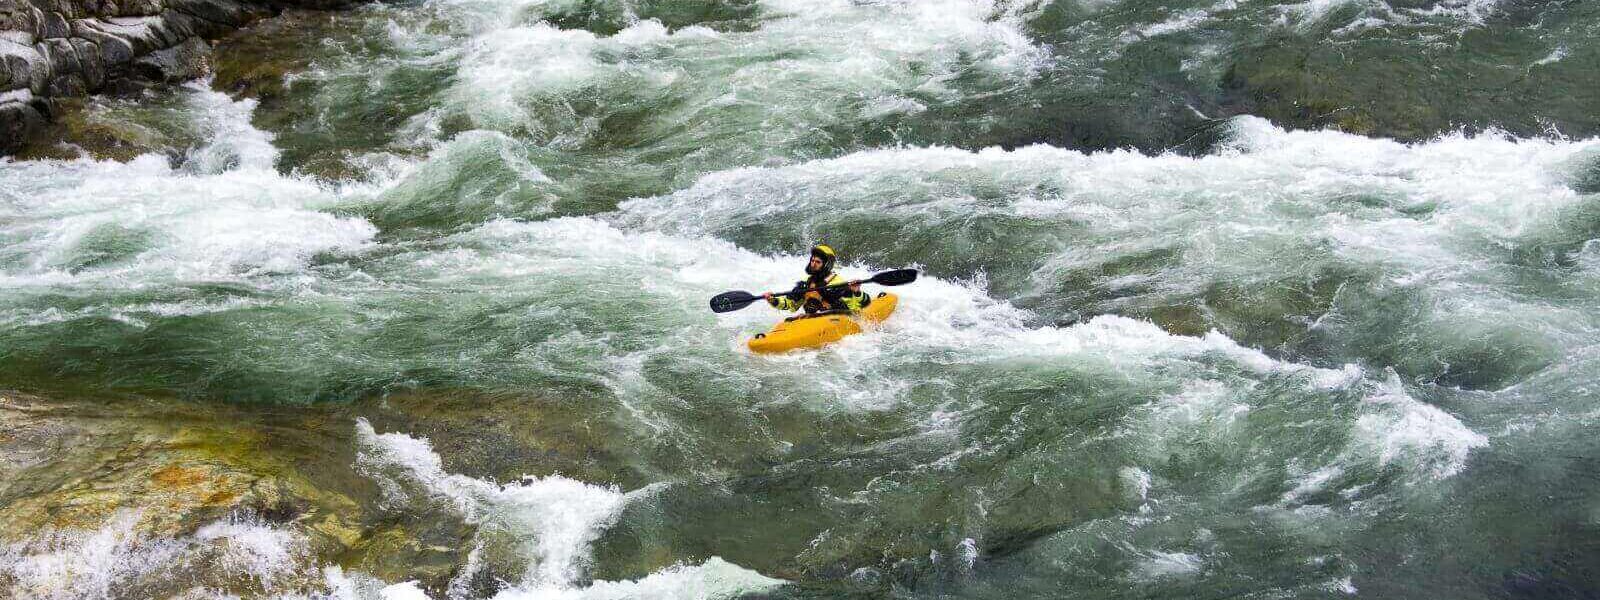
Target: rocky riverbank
<point>264,498</point>
<point>52,50</point>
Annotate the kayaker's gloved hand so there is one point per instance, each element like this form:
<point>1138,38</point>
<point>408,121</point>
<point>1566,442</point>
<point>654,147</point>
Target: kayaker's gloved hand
<point>855,286</point>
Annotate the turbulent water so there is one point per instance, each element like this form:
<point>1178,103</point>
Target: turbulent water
<point>1177,336</point>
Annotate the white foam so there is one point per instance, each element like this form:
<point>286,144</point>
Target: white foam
<point>234,142</point>
<point>1156,564</point>
<point>1270,206</point>
<point>553,519</point>
<point>252,548</point>
<point>1428,442</point>
<point>116,559</point>
<point>63,565</point>
<point>802,68</point>
<point>1555,56</point>
<point>716,579</point>
<point>224,216</point>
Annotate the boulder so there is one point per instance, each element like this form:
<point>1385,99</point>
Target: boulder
<point>140,32</point>
<point>222,12</point>
<point>94,69</point>
<point>182,62</point>
<point>60,56</point>
<point>114,51</point>
<point>54,25</point>
<point>18,122</point>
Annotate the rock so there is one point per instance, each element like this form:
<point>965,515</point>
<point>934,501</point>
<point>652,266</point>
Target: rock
<point>182,62</point>
<point>20,37</point>
<point>54,26</point>
<point>141,7</point>
<point>65,48</point>
<point>66,86</point>
<point>94,69</point>
<point>222,12</point>
<point>19,16</point>
<point>24,65</point>
<point>114,51</point>
<point>139,32</point>
<point>60,55</point>
<point>75,464</point>
<point>253,61</point>
<point>161,469</point>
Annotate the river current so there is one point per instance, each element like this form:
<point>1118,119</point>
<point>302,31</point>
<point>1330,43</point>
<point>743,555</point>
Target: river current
<point>1219,299</point>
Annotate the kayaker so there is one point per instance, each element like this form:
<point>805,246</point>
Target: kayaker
<point>815,293</point>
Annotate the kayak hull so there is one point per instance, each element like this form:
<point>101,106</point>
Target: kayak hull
<point>815,332</point>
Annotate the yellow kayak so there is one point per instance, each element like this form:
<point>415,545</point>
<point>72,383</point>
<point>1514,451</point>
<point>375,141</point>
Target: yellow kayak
<point>816,332</point>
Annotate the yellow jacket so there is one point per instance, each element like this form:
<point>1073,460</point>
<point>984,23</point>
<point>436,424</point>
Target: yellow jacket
<point>815,300</point>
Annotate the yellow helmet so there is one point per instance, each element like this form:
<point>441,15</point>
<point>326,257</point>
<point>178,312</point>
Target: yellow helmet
<point>826,253</point>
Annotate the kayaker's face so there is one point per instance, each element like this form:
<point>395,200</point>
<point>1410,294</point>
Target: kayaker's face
<point>815,265</point>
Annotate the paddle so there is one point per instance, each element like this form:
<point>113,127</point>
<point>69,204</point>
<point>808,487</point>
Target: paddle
<point>735,300</point>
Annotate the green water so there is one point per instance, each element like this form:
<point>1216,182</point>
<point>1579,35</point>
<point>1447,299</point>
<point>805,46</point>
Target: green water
<point>1219,299</point>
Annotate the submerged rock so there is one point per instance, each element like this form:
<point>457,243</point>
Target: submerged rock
<point>216,486</point>
<point>74,465</point>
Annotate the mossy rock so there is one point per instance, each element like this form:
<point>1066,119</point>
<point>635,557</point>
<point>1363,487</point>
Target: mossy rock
<point>77,128</point>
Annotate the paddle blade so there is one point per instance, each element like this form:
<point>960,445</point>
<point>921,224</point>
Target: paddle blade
<point>895,277</point>
<point>732,301</point>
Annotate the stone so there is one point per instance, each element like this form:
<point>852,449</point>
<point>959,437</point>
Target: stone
<point>61,57</point>
<point>20,37</point>
<point>139,32</point>
<point>66,8</point>
<point>224,12</point>
<point>18,122</point>
<point>28,68</point>
<point>18,67</point>
<point>114,51</point>
<point>55,26</point>
<point>141,7</point>
<point>62,86</point>
<point>94,71</point>
<point>170,34</point>
<point>37,16</point>
<point>178,24</point>
<point>18,16</point>
<point>182,62</point>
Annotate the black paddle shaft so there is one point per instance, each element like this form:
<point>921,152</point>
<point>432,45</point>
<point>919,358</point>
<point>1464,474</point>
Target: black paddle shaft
<point>735,300</point>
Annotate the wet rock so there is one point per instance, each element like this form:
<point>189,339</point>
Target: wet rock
<point>67,48</point>
<point>254,61</point>
<point>75,465</point>
<point>19,121</point>
<point>166,469</point>
<point>505,436</point>
<point>26,68</point>
<point>221,12</point>
<point>17,16</point>
<point>182,62</point>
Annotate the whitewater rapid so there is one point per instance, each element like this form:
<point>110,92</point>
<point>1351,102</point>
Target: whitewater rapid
<point>1287,361</point>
